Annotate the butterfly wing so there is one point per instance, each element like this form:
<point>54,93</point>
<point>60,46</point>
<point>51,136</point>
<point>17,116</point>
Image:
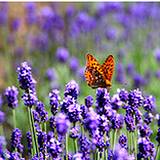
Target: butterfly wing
<point>108,68</point>
<point>94,73</point>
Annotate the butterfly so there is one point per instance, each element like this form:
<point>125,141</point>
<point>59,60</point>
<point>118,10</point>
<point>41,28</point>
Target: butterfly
<point>99,75</point>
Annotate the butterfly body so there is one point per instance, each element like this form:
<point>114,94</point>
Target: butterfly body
<point>99,75</point>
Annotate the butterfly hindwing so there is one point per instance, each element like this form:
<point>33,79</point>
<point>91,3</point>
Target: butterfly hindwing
<point>108,67</point>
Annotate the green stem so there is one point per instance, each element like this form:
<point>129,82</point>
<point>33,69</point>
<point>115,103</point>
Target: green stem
<point>66,146</point>
<point>34,131</point>
<point>75,145</point>
<point>114,139</point>
<point>14,118</point>
<point>31,129</point>
<point>157,150</point>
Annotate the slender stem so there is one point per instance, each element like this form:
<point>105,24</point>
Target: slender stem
<point>114,139</point>
<point>157,150</point>
<point>75,145</point>
<point>14,117</point>
<point>66,146</point>
<point>34,131</point>
<point>30,124</point>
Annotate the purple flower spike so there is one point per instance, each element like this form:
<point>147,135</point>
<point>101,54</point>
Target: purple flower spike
<point>158,136</point>
<point>102,99</point>
<point>89,101</point>
<point>62,124</point>
<point>144,130</point>
<point>123,141</point>
<point>117,121</point>
<point>29,141</point>
<point>74,132</point>
<point>11,94</point>
<point>54,100</point>
<point>16,138</point>
<point>26,81</point>
<point>135,98</point>
<point>149,103</point>
<point>123,95</point>
<point>146,149</point>
<point>72,89</point>
<point>62,54</point>
<point>116,103</point>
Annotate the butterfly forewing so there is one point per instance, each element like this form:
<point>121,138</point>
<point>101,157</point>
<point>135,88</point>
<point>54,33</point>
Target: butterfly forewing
<point>108,67</point>
<point>93,73</point>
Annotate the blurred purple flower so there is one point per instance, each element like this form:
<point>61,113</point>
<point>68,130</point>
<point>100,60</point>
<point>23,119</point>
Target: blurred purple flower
<point>2,117</point>
<point>111,34</point>
<point>73,64</point>
<point>120,76</point>
<point>157,74</point>
<point>130,69</point>
<point>62,124</point>
<point>3,13</point>
<point>15,24</point>
<point>62,54</point>
<point>157,54</point>
<point>19,51</point>
<point>80,74</point>
<point>138,80</point>
<point>70,10</point>
<point>11,94</point>
<point>51,74</point>
<point>31,16</point>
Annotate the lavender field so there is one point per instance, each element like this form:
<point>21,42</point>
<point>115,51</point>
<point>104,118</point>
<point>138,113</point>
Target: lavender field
<point>47,110</point>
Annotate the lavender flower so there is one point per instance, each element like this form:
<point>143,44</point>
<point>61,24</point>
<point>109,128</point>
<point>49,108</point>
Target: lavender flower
<point>15,24</point>
<point>30,98</point>
<point>62,54</point>
<point>123,141</point>
<point>84,145</point>
<point>157,54</point>
<point>116,103</point>
<point>54,100</point>
<point>3,14</point>
<point>42,141</point>
<point>149,103</point>
<point>91,122</point>
<point>72,89</point>
<point>29,142</point>
<point>54,148</point>
<point>117,121</point>
<point>74,132</point>
<point>129,120</point>
<point>14,156</point>
<point>146,149</point>
<point>102,99</point>
<point>77,156</point>
<point>41,111</point>
<point>62,124</point>
<point>36,116</point>
<point>11,94</point>
<point>144,130</point>
<point>135,98</point>
<point>52,122</point>
<point>148,118</point>
<point>123,95</point>
<point>158,136</point>
<point>26,81</point>
<point>89,101</point>
<point>16,138</point>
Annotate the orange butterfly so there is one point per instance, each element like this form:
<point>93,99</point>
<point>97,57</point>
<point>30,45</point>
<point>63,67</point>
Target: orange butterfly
<point>99,75</point>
